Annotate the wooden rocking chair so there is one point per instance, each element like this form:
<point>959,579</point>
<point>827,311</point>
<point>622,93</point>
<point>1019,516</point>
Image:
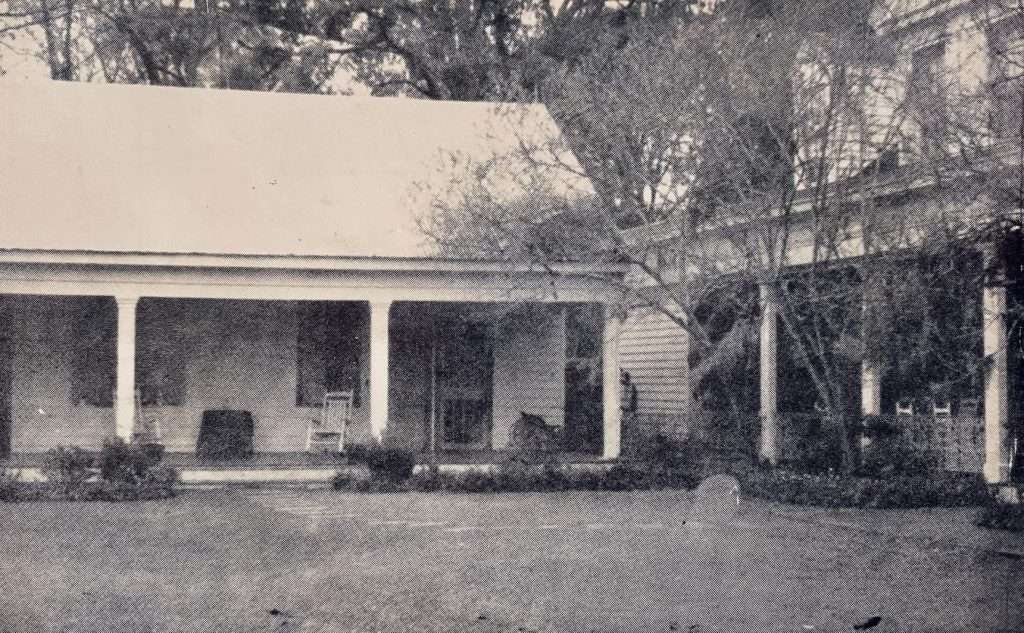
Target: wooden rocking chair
<point>904,406</point>
<point>328,432</point>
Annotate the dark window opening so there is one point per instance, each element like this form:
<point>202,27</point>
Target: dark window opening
<point>329,348</point>
<point>161,356</point>
<point>94,365</point>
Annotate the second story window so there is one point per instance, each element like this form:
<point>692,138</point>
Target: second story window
<point>1006,76</point>
<point>927,96</point>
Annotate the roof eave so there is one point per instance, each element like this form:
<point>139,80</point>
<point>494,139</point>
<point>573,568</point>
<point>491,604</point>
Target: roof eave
<point>295,262</point>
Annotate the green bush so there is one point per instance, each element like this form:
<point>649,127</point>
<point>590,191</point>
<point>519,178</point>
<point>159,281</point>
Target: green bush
<point>359,482</point>
<point>386,463</point>
<point>472,481</point>
<point>127,473</point>
<point>68,468</point>
<point>514,476</point>
<point>889,453</point>
<point>11,485</point>
<point>157,483</point>
<point>845,491</point>
<point>998,515</point>
<point>626,477</point>
<point>120,461</point>
<point>666,462</point>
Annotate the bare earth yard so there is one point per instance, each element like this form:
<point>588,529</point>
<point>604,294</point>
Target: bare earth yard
<point>280,560</point>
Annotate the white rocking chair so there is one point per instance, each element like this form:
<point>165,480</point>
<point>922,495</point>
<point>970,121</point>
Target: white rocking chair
<point>328,433</point>
<point>905,407</point>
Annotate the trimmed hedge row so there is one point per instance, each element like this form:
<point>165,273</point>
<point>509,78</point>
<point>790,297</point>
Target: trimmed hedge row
<point>830,490</point>
<point>517,477</point>
<point>833,490</point>
<point>670,464</point>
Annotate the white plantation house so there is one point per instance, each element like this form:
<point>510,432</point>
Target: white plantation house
<point>165,253</point>
<point>976,47</point>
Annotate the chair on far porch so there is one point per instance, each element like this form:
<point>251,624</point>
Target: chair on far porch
<point>327,433</point>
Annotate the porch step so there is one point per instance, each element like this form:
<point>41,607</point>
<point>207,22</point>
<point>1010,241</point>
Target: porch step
<point>200,477</point>
<point>324,442</point>
<point>192,477</point>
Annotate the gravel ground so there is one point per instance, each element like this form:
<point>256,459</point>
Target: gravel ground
<point>289,560</point>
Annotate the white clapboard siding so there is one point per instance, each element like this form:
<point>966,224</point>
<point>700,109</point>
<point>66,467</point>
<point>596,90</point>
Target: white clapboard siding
<point>653,349</point>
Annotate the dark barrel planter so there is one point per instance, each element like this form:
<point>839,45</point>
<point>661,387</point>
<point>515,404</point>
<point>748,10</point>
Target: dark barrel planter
<point>225,435</point>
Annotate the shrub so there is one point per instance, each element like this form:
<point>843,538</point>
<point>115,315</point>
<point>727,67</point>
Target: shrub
<point>127,473</point>
<point>350,480</point>
<point>512,476</point>
<point>388,463</point>
<point>997,515</point>
<point>626,477</point>
<point>662,452</point>
<point>68,468</point>
<point>670,462</point>
<point>11,486</point>
<point>473,481</point>
<point>889,453</point>
<point>158,483</point>
<point>120,461</point>
<point>342,480</point>
<point>845,491</point>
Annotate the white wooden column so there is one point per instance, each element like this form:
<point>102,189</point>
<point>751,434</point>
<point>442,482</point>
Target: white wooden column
<point>125,394</point>
<point>996,383</point>
<point>610,387</point>
<point>870,396</point>
<point>870,389</point>
<point>870,374</point>
<point>379,373</point>
<point>769,451</point>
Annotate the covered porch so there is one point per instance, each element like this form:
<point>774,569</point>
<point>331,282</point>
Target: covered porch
<point>442,360</point>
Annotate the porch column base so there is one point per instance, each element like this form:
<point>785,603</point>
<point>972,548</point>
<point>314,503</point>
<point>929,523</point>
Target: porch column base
<point>610,387</point>
<point>379,371</point>
<point>769,448</point>
<point>125,394</point>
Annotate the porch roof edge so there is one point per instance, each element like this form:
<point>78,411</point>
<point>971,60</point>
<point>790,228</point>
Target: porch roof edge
<point>296,262</point>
